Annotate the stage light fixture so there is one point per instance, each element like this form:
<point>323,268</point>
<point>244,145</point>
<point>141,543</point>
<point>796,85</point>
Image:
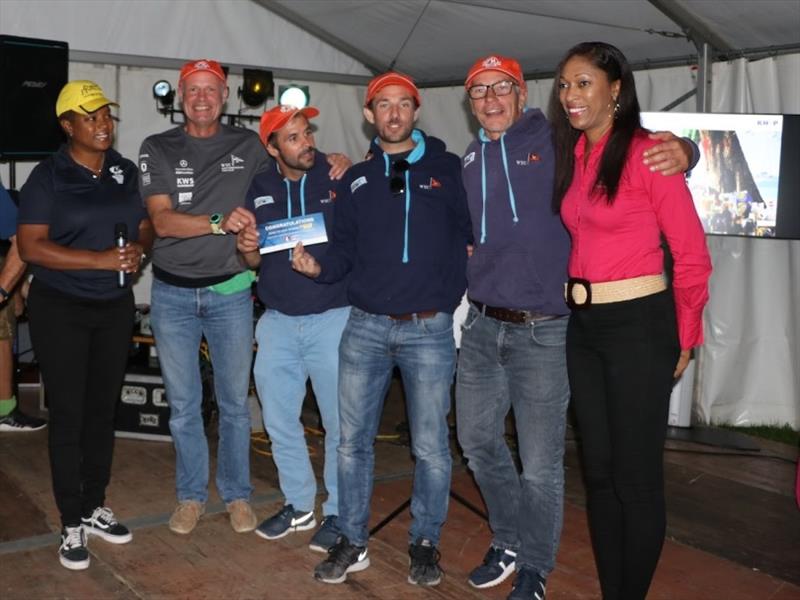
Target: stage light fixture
<point>256,87</point>
<point>294,95</point>
<point>163,93</point>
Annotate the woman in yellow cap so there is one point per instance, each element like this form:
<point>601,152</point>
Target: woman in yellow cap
<point>83,230</point>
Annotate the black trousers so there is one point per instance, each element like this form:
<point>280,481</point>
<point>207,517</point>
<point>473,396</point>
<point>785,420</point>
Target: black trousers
<point>82,348</point>
<point>620,360</point>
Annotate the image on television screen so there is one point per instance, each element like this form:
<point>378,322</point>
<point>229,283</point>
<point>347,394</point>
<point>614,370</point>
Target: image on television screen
<point>735,183</point>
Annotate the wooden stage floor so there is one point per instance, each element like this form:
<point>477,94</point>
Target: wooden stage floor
<point>734,531</point>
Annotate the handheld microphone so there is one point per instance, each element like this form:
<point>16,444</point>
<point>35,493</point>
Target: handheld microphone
<point>120,239</point>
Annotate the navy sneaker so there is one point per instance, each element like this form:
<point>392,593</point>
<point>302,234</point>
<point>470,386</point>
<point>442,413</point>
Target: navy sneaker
<point>342,559</point>
<point>497,565</point>
<point>73,552</point>
<point>285,521</point>
<point>326,536</point>
<point>104,525</point>
<point>424,568</point>
<point>18,421</point>
<point>528,585</point>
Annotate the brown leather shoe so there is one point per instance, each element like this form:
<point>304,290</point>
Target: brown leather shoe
<point>185,516</point>
<point>243,519</point>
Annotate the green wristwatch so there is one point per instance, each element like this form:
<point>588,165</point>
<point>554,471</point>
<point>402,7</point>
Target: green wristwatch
<point>215,220</point>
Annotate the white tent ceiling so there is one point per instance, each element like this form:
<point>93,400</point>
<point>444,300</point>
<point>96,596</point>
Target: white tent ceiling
<point>436,41</point>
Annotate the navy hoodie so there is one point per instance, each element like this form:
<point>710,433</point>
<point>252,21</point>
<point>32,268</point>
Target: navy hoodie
<point>521,246</point>
<point>272,197</point>
<point>405,252</point>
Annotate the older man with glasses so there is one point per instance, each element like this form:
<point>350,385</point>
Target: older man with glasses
<point>401,232</point>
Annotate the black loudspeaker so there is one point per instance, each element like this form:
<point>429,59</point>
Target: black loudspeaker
<point>32,73</point>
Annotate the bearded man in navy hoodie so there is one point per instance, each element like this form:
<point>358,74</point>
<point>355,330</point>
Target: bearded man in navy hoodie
<point>401,232</point>
<point>513,339</point>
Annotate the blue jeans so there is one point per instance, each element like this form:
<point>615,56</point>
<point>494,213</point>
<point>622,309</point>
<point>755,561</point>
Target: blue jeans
<point>180,317</point>
<point>290,350</point>
<point>503,365</point>
<point>424,351</point>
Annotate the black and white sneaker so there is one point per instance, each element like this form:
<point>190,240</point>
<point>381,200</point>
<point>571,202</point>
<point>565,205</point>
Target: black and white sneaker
<point>285,521</point>
<point>104,525</point>
<point>18,421</point>
<point>342,559</point>
<point>73,552</point>
<point>424,568</point>
<point>326,536</point>
<point>528,585</point>
<point>497,565</point>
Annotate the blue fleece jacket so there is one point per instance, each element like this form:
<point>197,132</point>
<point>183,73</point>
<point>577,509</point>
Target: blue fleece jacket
<point>521,246</point>
<point>272,197</point>
<point>405,252</point>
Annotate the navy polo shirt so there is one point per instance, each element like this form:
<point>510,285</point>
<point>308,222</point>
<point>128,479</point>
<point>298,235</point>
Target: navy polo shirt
<point>81,211</point>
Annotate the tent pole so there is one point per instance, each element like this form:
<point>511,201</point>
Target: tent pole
<point>704,64</point>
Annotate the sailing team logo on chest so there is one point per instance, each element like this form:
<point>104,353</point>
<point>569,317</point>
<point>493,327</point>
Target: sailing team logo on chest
<point>116,173</point>
<point>469,159</point>
<point>431,185</point>
<point>234,164</point>
<point>533,157</point>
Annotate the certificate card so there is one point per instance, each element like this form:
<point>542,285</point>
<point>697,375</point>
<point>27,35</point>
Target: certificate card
<point>274,236</point>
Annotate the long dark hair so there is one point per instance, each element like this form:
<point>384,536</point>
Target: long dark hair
<point>609,59</point>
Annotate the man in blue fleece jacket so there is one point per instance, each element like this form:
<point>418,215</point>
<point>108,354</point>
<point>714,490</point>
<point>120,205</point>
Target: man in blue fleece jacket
<point>401,231</point>
<point>513,341</point>
<point>298,334</point>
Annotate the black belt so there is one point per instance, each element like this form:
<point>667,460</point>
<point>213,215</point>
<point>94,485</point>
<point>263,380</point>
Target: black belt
<point>509,315</point>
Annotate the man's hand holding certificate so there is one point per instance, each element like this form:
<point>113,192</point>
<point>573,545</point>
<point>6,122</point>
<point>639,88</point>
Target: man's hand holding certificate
<point>274,236</point>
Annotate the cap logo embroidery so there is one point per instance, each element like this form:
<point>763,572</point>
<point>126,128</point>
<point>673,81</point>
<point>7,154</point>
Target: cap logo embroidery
<point>491,62</point>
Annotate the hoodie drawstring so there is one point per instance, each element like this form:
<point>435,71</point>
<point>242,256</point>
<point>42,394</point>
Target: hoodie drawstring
<point>289,201</point>
<point>511,199</point>
<point>416,154</point>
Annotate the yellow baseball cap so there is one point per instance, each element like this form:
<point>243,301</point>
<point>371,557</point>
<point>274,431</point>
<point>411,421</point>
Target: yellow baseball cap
<point>82,96</point>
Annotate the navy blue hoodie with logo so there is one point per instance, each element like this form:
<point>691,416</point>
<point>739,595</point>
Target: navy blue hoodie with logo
<point>271,197</point>
<point>521,247</point>
<point>405,251</point>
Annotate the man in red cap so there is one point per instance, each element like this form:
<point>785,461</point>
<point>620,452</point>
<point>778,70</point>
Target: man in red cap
<point>193,180</point>
<point>513,342</point>
<point>400,237</point>
<point>298,335</point>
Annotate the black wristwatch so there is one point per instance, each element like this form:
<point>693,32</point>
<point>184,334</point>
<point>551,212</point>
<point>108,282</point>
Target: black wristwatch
<point>4,295</point>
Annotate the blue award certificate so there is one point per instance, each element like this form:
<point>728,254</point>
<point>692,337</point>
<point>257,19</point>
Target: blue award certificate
<point>274,236</point>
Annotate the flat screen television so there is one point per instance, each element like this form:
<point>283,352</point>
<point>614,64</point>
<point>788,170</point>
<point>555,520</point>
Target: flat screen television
<point>747,182</point>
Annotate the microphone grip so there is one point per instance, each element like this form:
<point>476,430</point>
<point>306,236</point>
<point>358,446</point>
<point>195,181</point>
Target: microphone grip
<point>120,239</point>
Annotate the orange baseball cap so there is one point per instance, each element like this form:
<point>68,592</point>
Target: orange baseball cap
<point>278,116</point>
<point>204,64</point>
<point>391,78</point>
<point>495,62</point>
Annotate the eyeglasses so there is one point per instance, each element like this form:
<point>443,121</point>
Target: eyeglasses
<point>398,182</point>
<point>500,88</point>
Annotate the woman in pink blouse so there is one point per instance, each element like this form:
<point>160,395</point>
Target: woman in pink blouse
<point>629,335</point>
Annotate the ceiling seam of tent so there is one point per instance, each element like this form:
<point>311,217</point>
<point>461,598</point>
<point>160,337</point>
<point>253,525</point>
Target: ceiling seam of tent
<point>342,46</point>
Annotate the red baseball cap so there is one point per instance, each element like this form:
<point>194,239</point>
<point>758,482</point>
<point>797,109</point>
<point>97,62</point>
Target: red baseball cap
<point>203,64</point>
<point>496,62</point>
<point>278,116</point>
<point>391,78</point>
